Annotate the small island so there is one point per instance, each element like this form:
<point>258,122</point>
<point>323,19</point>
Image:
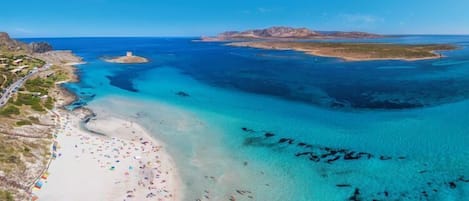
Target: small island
<point>129,58</point>
<point>355,51</point>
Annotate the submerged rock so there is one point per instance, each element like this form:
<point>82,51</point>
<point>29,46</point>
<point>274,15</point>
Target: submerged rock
<point>343,185</point>
<point>247,129</point>
<point>355,195</point>
<point>282,140</point>
<point>452,185</point>
<point>182,94</point>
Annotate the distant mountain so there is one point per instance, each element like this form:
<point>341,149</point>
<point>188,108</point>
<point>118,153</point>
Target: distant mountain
<point>286,33</point>
<point>9,44</point>
<point>353,34</point>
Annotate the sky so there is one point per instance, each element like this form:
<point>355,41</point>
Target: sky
<point>69,18</point>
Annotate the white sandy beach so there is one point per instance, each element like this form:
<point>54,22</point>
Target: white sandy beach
<point>125,164</point>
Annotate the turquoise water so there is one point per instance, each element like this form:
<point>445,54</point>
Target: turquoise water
<point>281,125</point>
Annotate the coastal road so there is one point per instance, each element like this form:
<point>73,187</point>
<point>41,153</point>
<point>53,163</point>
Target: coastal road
<point>13,88</point>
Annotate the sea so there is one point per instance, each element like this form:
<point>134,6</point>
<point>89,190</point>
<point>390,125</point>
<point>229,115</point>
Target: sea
<point>269,125</point>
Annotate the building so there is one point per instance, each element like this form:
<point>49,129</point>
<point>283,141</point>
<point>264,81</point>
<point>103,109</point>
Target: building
<point>3,62</point>
<point>129,54</point>
<point>19,69</point>
<point>18,61</point>
<point>50,74</point>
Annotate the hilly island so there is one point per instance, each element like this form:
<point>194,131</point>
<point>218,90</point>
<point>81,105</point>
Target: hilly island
<point>312,42</point>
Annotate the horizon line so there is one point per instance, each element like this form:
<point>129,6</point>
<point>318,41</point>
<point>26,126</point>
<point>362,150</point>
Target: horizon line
<point>156,36</point>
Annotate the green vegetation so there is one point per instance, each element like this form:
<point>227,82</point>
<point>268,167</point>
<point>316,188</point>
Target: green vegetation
<point>355,51</point>
<point>49,104</point>
<point>58,76</point>
<point>33,119</point>
<point>17,154</point>
<point>39,85</point>
<point>23,123</point>
<point>9,155</point>
<point>14,152</point>
<point>9,110</point>
<point>31,100</point>
<point>383,50</point>
<point>6,196</point>
<point>2,80</point>
<point>23,63</point>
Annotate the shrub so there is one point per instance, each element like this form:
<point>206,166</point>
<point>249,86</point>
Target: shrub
<point>23,123</point>
<point>5,195</point>
<point>10,110</point>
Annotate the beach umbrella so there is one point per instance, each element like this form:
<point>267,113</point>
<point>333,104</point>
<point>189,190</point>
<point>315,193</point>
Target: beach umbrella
<point>38,184</point>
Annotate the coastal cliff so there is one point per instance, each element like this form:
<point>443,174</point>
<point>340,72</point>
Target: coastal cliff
<point>286,33</point>
<point>9,44</point>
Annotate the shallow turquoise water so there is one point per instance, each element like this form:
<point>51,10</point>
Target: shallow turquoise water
<point>409,119</point>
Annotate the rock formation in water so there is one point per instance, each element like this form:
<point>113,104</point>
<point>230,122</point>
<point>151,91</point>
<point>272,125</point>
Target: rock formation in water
<point>40,47</point>
<point>182,94</point>
<point>330,155</point>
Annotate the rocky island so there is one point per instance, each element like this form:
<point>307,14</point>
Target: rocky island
<point>129,58</point>
<point>355,51</point>
<point>299,39</point>
<point>286,33</point>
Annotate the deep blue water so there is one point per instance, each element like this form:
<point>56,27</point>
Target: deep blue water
<point>320,127</point>
<point>325,82</point>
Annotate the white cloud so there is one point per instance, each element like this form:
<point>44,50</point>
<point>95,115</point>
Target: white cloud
<point>261,10</point>
<point>264,10</point>
<point>360,18</point>
<point>22,30</point>
<point>246,12</point>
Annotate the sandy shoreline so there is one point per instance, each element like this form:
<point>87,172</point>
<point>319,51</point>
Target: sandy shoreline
<point>125,164</point>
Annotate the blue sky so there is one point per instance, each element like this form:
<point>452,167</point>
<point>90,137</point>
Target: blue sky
<point>42,18</point>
